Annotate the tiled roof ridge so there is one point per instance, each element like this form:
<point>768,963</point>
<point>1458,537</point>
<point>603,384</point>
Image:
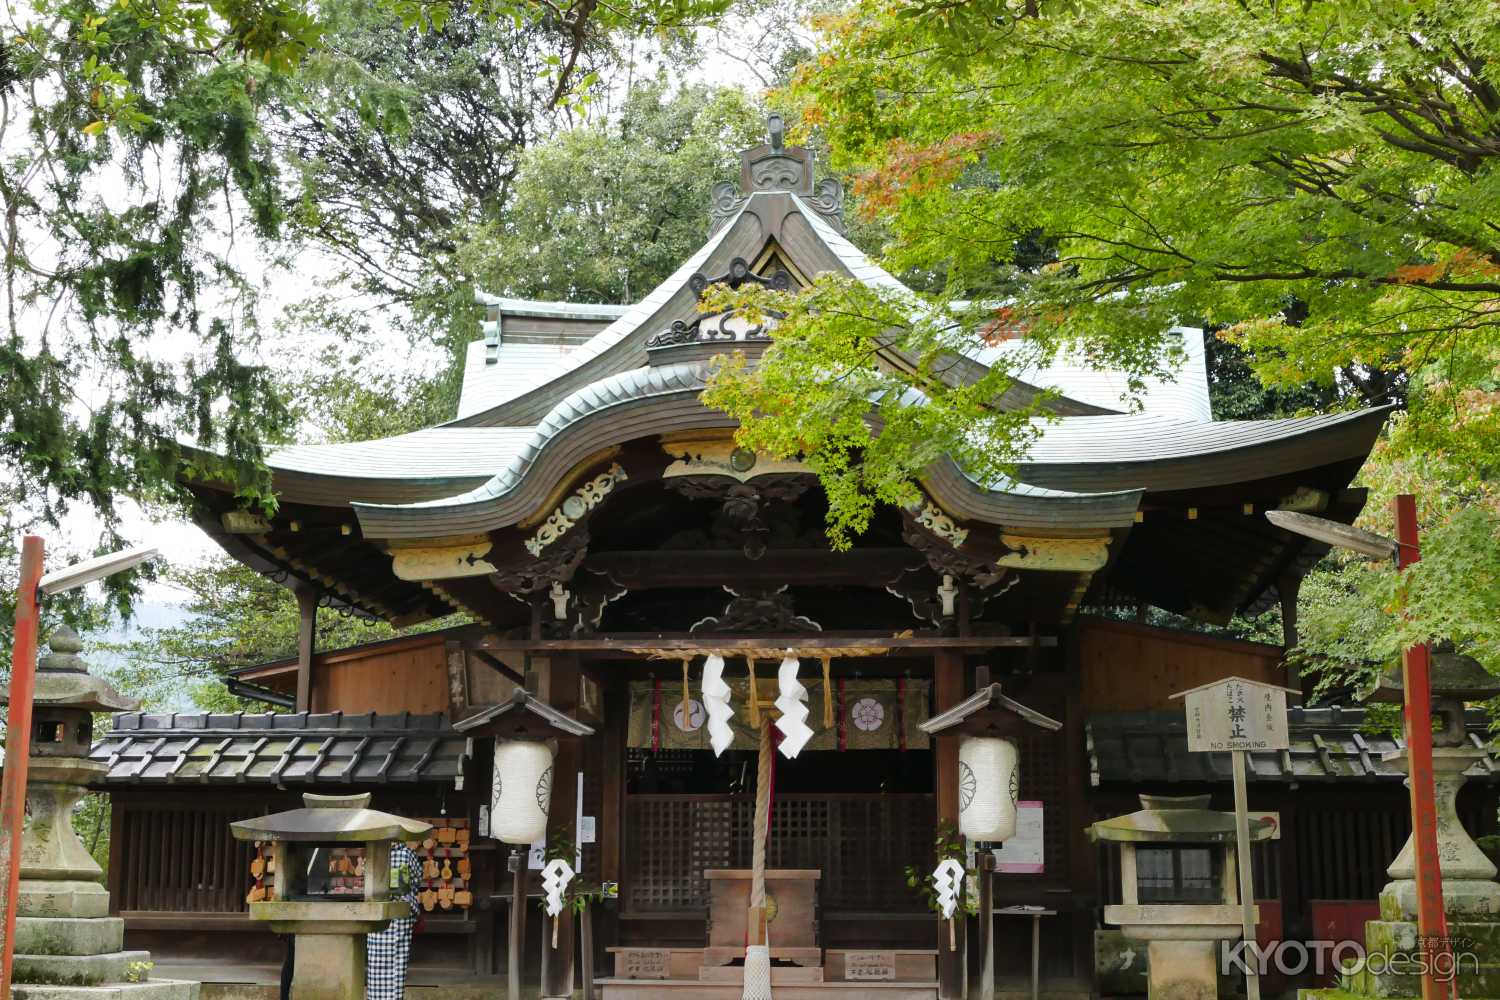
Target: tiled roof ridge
<point>134,723</point>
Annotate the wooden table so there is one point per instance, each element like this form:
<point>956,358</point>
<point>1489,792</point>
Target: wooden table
<point>1036,913</point>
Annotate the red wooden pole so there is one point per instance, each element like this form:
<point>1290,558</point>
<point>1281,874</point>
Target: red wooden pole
<point>1416,681</point>
<point>18,746</point>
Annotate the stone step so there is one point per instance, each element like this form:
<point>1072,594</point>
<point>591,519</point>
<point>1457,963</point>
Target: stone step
<point>77,970</point>
<point>781,975</point>
<point>688,989</point>
<point>153,989</point>
<point>69,935</point>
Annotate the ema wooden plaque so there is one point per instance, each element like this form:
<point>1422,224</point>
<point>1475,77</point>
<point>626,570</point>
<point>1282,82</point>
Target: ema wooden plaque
<point>869,965</point>
<point>645,963</point>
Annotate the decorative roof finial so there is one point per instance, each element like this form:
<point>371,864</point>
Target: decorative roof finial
<point>774,167</point>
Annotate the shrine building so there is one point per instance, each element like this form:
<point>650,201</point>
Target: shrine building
<point>605,536</point>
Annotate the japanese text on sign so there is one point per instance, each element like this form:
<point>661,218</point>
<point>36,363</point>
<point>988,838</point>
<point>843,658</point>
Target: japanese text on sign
<point>1237,714</point>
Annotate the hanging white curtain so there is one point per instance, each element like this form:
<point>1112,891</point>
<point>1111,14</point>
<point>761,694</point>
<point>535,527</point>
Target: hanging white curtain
<point>521,792</point>
<point>988,782</point>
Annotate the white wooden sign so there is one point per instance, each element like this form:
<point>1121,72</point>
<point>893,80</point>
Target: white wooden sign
<point>1236,714</point>
<point>644,963</point>
<point>869,966</point>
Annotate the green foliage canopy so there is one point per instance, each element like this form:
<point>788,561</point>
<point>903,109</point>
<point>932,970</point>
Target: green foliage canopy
<point>1316,179</point>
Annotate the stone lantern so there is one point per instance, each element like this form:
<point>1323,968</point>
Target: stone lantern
<point>1178,889</point>
<point>331,867</point>
<point>66,944</point>
<point>1471,897</point>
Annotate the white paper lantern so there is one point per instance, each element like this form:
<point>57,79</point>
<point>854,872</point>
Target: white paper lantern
<point>522,791</point>
<point>988,781</point>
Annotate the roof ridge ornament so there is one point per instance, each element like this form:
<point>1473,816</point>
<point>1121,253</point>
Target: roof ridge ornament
<point>774,166</point>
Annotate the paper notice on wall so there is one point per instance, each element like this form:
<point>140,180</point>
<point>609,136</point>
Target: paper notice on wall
<point>1025,853</point>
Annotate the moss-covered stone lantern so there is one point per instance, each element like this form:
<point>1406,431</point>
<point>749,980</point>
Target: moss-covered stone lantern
<point>66,944</point>
<point>313,851</point>
<point>1178,889</point>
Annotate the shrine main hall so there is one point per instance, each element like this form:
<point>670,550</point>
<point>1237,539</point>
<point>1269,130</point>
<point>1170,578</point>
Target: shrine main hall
<point>611,549</point>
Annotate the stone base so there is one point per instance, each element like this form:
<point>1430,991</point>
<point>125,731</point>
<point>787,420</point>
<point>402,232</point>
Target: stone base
<point>1466,899</point>
<point>1393,960</point>
<point>1182,970</point>
<point>69,935</point>
<point>329,967</point>
<point>77,970</point>
<point>154,989</point>
<point>38,898</point>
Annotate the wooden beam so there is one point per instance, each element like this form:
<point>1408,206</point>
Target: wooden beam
<point>1077,555</point>
<point>626,644</point>
<point>307,628</point>
<point>494,661</point>
<point>642,570</point>
<point>442,562</point>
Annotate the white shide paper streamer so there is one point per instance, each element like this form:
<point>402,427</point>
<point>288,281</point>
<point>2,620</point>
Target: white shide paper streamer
<point>716,704</point>
<point>948,881</point>
<point>792,702</point>
<point>556,874</point>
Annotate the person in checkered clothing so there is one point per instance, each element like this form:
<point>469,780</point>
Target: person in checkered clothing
<point>388,952</point>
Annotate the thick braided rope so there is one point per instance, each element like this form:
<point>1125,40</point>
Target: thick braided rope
<point>762,818</point>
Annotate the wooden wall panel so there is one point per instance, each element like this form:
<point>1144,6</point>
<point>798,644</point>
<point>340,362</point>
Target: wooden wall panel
<point>411,679</point>
<point>1128,667</point>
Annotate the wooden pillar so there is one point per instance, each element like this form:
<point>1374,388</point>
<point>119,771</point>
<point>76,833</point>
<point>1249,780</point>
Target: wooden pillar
<point>1083,856</point>
<point>307,628</point>
<point>485,883</point>
<point>612,809</point>
<point>560,690</point>
<point>948,690</point>
<point>1289,586</point>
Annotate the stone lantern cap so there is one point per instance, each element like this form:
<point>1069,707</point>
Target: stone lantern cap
<point>1166,819</point>
<point>63,679</point>
<point>331,819</point>
<point>1454,676</point>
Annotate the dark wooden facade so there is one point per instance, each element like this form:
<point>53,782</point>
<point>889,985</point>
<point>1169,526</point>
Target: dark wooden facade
<point>179,880</point>
<point>597,522</point>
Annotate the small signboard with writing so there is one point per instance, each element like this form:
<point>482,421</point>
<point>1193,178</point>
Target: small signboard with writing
<point>869,965</point>
<point>1026,852</point>
<point>1236,714</point>
<point>644,963</point>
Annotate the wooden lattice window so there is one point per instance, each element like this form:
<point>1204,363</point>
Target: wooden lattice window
<point>861,843</point>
